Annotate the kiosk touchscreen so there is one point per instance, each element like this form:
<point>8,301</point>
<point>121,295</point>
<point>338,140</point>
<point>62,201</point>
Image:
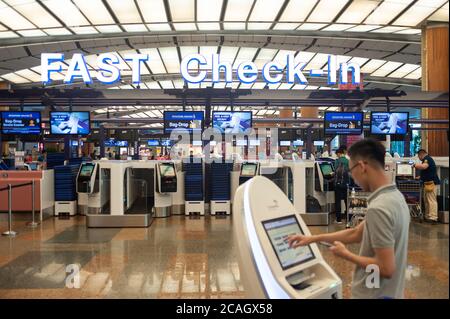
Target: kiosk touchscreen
<point>405,170</point>
<point>167,180</point>
<point>327,170</point>
<point>269,267</point>
<point>86,178</point>
<point>248,170</point>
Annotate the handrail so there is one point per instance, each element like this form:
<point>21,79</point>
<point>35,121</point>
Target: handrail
<point>16,186</point>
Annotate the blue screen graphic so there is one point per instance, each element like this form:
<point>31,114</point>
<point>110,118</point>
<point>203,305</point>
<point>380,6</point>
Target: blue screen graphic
<point>69,123</point>
<point>343,123</point>
<point>191,121</point>
<point>385,123</point>
<point>232,122</point>
<point>114,143</point>
<point>153,142</point>
<point>21,122</point>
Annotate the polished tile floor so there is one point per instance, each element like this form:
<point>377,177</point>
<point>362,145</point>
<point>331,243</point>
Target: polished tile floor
<point>176,257</point>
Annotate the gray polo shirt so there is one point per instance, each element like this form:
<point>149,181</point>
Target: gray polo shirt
<point>386,225</point>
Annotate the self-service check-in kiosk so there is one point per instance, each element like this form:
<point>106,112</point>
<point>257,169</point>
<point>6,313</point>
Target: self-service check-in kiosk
<point>166,178</point>
<point>87,186</point>
<point>248,170</point>
<point>269,267</point>
<point>324,183</point>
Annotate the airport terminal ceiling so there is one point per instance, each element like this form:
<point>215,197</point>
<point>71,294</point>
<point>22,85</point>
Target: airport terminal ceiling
<point>383,37</point>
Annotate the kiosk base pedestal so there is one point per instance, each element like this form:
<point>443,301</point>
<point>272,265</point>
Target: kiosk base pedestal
<point>220,207</point>
<point>66,207</point>
<point>195,207</point>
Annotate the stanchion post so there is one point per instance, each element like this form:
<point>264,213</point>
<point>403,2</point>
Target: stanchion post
<point>9,232</point>
<point>33,224</point>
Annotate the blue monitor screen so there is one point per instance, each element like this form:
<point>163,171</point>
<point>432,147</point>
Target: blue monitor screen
<point>387,123</point>
<point>153,142</point>
<point>114,143</point>
<point>190,121</point>
<point>166,142</point>
<point>297,143</point>
<point>232,122</point>
<point>69,123</point>
<point>21,122</point>
<point>343,123</point>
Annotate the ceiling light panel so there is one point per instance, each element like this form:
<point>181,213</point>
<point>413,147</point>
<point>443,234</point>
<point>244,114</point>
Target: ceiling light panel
<point>258,26</point>
<point>304,57</point>
<point>228,54</point>
<point>311,26</point>
<point>153,11</point>
<point>372,65</point>
<point>57,31</point>
<point>281,56</point>
<point>135,27</point>
<point>159,27</point>
<point>125,11</point>
<point>185,26</point>
<point>418,12</point>
<point>234,26</point>
<point>326,10</point>
<point>170,58</point>
<point>264,56</point>
<point>244,55</point>
<point>358,11</point>
<point>185,51</point>
<point>32,33</point>
<point>363,28</point>
<point>317,62</point>
<point>84,30</point>
<point>415,75</point>
<point>297,10</point>
<point>34,12</point>
<point>95,11</point>
<point>273,86</point>
<point>338,27</point>
<point>387,11</point>
<point>12,19</point>
<point>67,12</point>
<point>178,84</point>
<point>208,26</point>
<point>403,70</point>
<point>359,61</point>
<point>386,68</point>
<point>209,10</point>
<point>166,84</point>
<point>108,28</point>
<point>182,10</point>
<point>153,85</point>
<point>286,26</point>
<point>30,75</point>
<point>238,10</point>
<point>266,10</point>
<point>285,86</point>
<point>259,86</point>
<point>154,63</point>
<point>389,29</point>
<point>14,78</point>
<point>441,14</point>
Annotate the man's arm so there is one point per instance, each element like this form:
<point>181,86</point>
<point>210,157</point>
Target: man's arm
<point>421,166</point>
<point>384,258</point>
<point>348,236</point>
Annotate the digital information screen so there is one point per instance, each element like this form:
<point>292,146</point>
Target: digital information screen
<point>191,121</point>
<point>241,143</point>
<point>114,143</point>
<point>232,122</point>
<point>70,123</point>
<point>153,142</point>
<point>343,123</point>
<point>21,122</point>
<point>278,230</point>
<point>387,123</point>
<point>167,170</point>
<point>255,142</point>
<point>319,143</point>
<point>326,168</point>
<point>86,170</point>
<point>248,169</point>
<point>197,143</point>
<point>285,143</point>
<point>404,170</point>
<point>297,143</point>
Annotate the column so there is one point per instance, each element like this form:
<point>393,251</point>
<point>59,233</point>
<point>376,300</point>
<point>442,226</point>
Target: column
<point>3,146</point>
<point>309,112</point>
<point>435,78</point>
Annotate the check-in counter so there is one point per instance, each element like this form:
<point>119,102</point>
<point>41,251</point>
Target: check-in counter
<point>22,196</point>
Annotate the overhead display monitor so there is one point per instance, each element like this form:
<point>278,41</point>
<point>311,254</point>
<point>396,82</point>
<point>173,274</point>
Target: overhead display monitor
<point>285,143</point>
<point>388,123</point>
<point>167,170</point>
<point>241,142</point>
<point>232,122</point>
<point>197,143</point>
<point>343,123</point>
<point>297,143</point>
<point>166,142</point>
<point>21,123</point>
<point>248,169</point>
<point>190,121</point>
<point>278,230</point>
<point>255,142</point>
<point>70,123</point>
<point>153,142</point>
<point>319,143</point>
<point>114,143</point>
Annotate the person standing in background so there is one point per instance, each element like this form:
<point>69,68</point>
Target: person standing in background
<point>430,180</point>
<point>341,181</point>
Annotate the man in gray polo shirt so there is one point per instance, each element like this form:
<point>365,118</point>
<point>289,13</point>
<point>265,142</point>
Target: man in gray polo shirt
<point>382,259</point>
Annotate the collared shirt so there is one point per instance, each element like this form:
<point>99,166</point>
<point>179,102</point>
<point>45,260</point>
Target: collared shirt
<point>386,226</point>
<point>429,174</point>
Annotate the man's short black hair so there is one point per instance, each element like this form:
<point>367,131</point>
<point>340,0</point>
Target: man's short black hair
<point>422,151</point>
<point>368,149</point>
<point>339,151</point>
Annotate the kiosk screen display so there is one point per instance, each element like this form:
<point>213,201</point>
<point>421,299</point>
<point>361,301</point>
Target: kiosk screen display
<point>70,123</point>
<point>167,170</point>
<point>21,122</point>
<point>278,230</point>
<point>153,142</point>
<point>255,142</point>
<point>241,143</point>
<point>386,123</point>
<point>298,143</point>
<point>343,123</point>
<point>404,170</point>
<point>285,143</point>
<point>326,168</point>
<point>248,169</point>
<point>232,122</point>
<point>86,170</point>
